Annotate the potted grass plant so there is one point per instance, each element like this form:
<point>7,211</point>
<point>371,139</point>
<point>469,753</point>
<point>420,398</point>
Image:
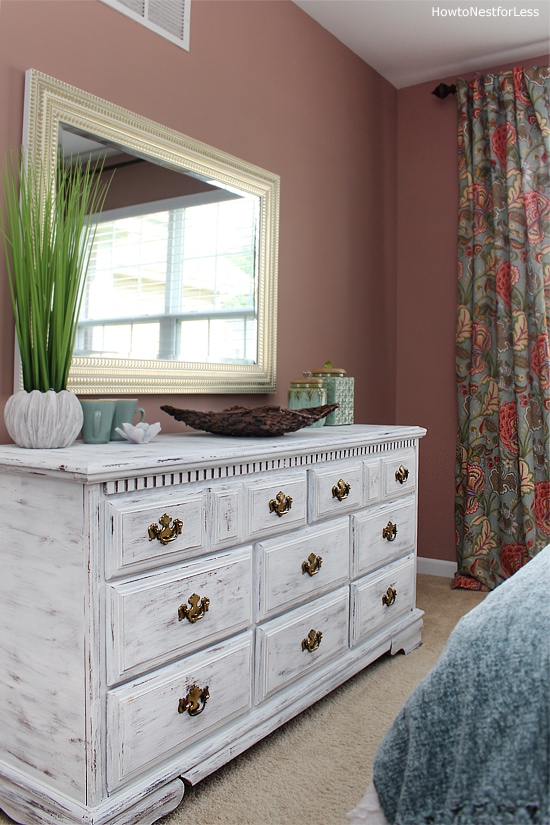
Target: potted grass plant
<point>48,226</point>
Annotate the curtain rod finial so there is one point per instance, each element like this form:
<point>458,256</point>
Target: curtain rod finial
<point>443,90</point>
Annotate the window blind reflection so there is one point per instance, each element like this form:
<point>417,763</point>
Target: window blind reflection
<point>175,284</point>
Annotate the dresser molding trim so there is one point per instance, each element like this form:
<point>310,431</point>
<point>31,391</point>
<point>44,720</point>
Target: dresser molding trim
<point>205,457</point>
<point>227,471</point>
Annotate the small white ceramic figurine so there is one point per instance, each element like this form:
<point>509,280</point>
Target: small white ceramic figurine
<point>140,433</point>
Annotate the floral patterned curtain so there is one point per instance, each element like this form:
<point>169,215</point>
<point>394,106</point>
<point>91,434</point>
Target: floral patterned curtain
<point>502,340</point>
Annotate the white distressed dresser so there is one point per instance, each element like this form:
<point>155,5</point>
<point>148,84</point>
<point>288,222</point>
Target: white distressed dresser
<point>165,606</point>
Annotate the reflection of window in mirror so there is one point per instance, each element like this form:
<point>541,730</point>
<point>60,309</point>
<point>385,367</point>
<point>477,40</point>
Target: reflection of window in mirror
<point>175,280</point>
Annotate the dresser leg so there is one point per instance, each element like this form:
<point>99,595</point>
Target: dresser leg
<point>152,807</point>
<point>410,638</point>
<point>28,809</point>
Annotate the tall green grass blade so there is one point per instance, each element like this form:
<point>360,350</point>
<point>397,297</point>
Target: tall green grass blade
<point>48,226</point>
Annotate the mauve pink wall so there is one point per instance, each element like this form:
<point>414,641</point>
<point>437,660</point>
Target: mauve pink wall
<point>266,83</point>
<point>427,204</point>
<point>367,272</point>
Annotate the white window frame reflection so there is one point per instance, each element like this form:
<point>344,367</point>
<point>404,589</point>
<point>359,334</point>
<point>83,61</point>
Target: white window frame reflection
<point>171,329</point>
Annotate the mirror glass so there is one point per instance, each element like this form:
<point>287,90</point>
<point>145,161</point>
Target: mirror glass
<point>181,289</point>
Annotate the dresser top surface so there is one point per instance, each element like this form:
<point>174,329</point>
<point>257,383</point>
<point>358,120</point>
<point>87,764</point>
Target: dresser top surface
<point>101,462</point>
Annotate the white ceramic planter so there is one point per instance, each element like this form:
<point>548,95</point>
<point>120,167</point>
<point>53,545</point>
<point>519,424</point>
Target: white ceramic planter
<point>43,419</point>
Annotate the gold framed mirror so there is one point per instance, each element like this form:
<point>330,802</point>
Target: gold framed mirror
<point>201,319</point>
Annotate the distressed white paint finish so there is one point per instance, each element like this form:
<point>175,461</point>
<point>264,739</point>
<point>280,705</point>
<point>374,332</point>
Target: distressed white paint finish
<point>280,656</point>
<point>372,480</point>
<point>43,590</point>
<point>128,539</point>
<point>262,520</point>
<point>224,516</point>
<point>194,456</point>
<point>145,630</point>
<point>409,637</point>
<point>403,634</point>
<point>283,584</point>
<point>369,612</point>
<point>87,601</point>
<point>390,466</point>
<point>371,549</point>
<point>323,503</point>
<point>143,721</point>
<point>34,806</point>
<point>94,646</point>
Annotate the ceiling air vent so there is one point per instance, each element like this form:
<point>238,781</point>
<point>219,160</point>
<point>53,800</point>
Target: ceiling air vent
<point>169,18</point>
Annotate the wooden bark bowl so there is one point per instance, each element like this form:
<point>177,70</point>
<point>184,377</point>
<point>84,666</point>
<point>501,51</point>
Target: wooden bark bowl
<point>258,421</point>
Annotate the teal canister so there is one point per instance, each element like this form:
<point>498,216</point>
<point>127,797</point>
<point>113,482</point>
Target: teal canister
<point>340,390</point>
<point>307,392</point>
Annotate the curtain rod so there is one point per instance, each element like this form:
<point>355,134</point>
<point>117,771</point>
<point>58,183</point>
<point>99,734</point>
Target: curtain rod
<point>443,90</point>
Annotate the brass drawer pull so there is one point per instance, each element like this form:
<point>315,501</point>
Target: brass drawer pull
<point>341,490</point>
<point>281,504</point>
<point>312,565</point>
<point>401,475</point>
<point>389,597</point>
<point>197,610</point>
<point>389,532</point>
<point>163,531</point>
<point>312,641</point>
<point>195,701</point>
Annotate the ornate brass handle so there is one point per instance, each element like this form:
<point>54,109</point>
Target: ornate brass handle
<point>389,532</point>
<point>163,531</point>
<point>312,565</point>
<point>341,490</point>
<point>195,701</point>
<point>312,641</point>
<point>401,475</point>
<point>389,597</point>
<point>197,610</point>
<point>281,504</point>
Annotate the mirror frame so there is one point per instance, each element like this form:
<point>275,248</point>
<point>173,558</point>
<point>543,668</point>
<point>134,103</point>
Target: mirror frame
<point>49,103</point>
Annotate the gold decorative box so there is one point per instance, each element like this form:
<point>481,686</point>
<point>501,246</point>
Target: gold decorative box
<point>340,390</point>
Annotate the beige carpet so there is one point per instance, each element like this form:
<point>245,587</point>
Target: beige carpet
<point>314,769</point>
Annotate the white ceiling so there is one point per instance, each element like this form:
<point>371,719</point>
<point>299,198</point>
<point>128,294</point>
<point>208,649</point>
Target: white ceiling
<point>408,42</point>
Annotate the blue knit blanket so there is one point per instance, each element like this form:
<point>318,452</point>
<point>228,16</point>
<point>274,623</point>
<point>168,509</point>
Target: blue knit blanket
<point>471,745</point>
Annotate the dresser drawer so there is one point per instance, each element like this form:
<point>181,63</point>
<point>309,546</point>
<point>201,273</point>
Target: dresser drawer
<point>276,504</point>
<point>382,535</point>
<point>282,653</point>
<point>158,617</point>
<point>147,721</point>
<point>335,490</point>
<point>377,600</point>
<point>399,473</point>
<point>309,563</point>
<point>154,528</point>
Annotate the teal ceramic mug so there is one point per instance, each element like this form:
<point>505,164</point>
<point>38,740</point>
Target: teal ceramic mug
<point>98,418</point>
<point>125,411</point>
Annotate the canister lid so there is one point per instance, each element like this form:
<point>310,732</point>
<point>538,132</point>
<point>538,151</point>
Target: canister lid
<point>307,380</point>
<point>328,369</point>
